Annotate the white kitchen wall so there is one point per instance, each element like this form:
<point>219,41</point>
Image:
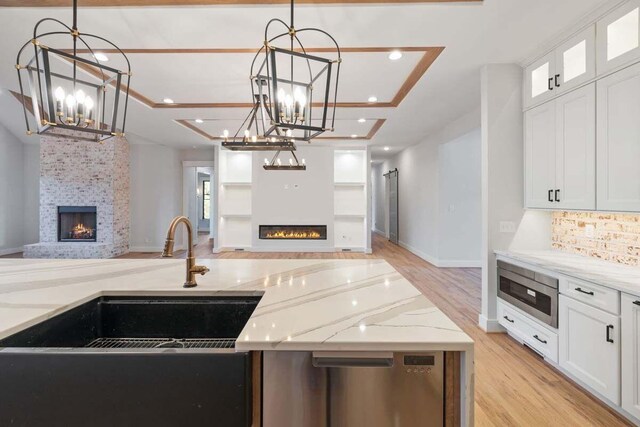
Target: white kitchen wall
<point>11,193</point>
<point>459,201</point>
<point>156,194</point>
<point>439,200</point>
<point>31,193</point>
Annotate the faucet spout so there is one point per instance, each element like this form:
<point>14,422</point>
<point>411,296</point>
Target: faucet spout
<point>192,268</point>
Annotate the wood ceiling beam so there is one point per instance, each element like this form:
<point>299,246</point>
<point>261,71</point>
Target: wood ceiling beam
<point>141,3</point>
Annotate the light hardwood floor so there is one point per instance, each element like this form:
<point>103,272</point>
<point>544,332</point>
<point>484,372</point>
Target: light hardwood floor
<point>514,386</point>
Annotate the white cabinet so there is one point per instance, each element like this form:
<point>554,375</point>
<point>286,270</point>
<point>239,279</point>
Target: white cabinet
<point>576,60</point>
<point>618,41</point>
<point>560,152</point>
<point>631,354</point>
<point>539,76</point>
<point>618,154</point>
<point>589,346</point>
<point>573,63</point>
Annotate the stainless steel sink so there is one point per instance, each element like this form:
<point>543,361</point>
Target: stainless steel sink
<point>132,360</point>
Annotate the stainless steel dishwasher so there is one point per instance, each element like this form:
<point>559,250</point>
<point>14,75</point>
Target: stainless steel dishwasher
<point>341,389</point>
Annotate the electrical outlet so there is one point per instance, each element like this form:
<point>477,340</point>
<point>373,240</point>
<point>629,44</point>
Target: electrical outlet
<point>590,230</point>
<point>507,227</point>
<point>286,186</point>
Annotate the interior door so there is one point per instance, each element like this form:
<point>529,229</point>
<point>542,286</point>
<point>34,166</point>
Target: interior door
<point>392,188</point>
<point>576,149</point>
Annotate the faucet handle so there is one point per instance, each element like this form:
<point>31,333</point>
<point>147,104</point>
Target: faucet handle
<point>200,269</point>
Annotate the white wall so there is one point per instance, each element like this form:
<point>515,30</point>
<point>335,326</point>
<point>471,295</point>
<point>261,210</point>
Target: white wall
<point>11,193</point>
<point>156,194</point>
<point>459,202</point>
<point>31,193</point>
<point>439,200</point>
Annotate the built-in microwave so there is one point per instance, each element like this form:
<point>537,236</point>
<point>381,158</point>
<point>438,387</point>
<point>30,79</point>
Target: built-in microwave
<point>530,291</point>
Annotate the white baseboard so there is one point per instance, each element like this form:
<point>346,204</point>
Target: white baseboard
<point>489,325</point>
<point>379,232</point>
<point>10,251</point>
<point>442,263</point>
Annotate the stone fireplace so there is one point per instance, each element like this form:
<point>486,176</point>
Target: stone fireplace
<point>84,198</point>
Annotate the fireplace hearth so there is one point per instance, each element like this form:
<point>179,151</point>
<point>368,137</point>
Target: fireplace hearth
<point>77,224</point>
<point>293,232</point>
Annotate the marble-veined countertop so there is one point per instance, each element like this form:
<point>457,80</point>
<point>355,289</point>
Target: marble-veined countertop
<point>312,305</point>
<point>621,277</point>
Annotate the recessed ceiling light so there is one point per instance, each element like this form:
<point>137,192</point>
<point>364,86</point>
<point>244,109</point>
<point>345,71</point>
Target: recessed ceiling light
<point>101,57</point>
<point>395,55</point>
<point>168,101</point>
<point>199,121</point>
<point>362,120</point>
<point>354,136</point>
<point>373,99</point>
<point>386,148</point>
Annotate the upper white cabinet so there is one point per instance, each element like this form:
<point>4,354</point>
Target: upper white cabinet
<point>618,41</point>
<point>570,65</point>
<point>631,354</point>
<point>560,152</point>
<point>589,347</point>
<point>618,154</point>
<point>539,80</point>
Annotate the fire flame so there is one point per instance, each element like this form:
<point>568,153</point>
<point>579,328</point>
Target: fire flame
<point>293,235</point>
<point>81,232</point>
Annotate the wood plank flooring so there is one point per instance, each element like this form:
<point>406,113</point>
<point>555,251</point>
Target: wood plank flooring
<point>514,386</point>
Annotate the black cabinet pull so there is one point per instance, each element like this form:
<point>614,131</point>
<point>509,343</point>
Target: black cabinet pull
<point>508,320</point>
<point>550,196</point>
<point>550,83</point>
<point>609,328</point>
<point>557,195</point>
<point>541,340</point>
<point>556,80</point>
<point>585,292</point>
<point>636,302</point>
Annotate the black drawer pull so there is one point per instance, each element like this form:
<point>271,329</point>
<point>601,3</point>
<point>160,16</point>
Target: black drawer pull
<point>609,328</point>
<point>541,340</point>
<point>556,80</point>
<point>508,320</point>
<point>585,292</point>
<point>550,83</point>
<point>636,302</point>
<point>557,195</point>
<point>550,196</point>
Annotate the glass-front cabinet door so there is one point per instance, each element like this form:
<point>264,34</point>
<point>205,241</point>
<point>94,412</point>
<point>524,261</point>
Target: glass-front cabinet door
<point>539,80</point>
<point>619,37</point>
<point>576,60</point>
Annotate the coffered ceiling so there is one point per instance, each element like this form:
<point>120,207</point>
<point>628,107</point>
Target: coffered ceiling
<point>200,57</point>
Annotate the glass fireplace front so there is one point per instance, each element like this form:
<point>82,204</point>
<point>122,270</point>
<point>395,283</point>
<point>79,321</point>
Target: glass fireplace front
<point>77,224</point>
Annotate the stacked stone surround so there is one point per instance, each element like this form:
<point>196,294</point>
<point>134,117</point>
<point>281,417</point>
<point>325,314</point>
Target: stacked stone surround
<point>77,172</point>
<point>616,237</point>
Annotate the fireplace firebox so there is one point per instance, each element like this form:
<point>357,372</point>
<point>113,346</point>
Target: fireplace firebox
<point>293,232</point>
<point>77,224</point>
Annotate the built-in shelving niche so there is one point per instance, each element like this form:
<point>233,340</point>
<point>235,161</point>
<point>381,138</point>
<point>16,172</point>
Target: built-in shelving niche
<point>235,194</point>
<point>350,199</point>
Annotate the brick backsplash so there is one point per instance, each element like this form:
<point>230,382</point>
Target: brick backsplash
<point>610,236</point>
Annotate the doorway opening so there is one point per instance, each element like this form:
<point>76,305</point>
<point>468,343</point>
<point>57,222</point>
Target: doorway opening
<point>391,199</point>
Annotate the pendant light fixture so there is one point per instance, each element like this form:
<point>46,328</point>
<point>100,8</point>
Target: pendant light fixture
<point>294,93</point>
<point>68,92</point>
<point>293,164</point>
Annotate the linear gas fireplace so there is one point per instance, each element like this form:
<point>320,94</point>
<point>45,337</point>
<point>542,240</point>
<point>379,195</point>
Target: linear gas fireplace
<point>293,232</point>
<point>77,224</point>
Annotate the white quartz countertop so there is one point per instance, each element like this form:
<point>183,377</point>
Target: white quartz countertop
<point>311,305</point>
<point>621,277</point>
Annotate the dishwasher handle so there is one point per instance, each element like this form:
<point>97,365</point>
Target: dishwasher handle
<point>341,359</point>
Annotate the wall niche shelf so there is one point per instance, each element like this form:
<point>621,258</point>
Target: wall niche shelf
<point>350,200</point>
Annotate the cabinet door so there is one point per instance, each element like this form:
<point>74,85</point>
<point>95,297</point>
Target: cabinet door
<point>539,80</point>
<point>618,41</point>
<point>576,149</point>
<point>618,146</point>
<point>576,60</point>
<point>590,346</point>
<point>631,354</point>
<point>540,156</point>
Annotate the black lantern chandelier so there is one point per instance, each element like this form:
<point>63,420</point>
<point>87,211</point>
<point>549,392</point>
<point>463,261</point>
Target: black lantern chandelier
<point>294,93</point>
<point>276,163</point>
<point>60,100</point>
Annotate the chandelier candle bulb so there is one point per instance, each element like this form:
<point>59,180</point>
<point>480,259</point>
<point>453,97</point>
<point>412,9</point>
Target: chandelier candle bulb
<point>59,94</point>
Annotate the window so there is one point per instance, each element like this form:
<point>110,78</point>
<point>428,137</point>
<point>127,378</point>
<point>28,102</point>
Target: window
<point>206,199</point>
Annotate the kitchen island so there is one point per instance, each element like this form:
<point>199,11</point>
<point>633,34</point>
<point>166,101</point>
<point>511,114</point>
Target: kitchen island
<point>319,307</point>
